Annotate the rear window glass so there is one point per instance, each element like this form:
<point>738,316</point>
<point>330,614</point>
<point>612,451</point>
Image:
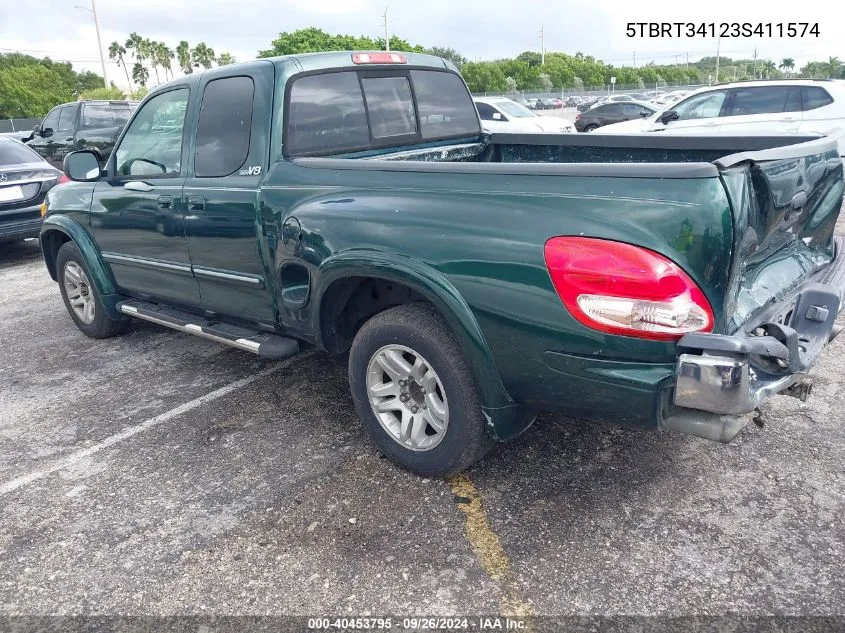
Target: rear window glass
<point>326,114</point>
<point>445,107</point>
<point>390,106</point>
<point>815,97</point>
<point>102,115</point>
<point>758,100</point>
<point>14,153</point>
<point>224,127</point>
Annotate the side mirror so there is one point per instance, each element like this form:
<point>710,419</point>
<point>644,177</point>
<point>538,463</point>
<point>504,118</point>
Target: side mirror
<point>669,115</point>
<point>46,131</point>
<point>82,165</point>
<point>497,116</point>
<point>36,130</point>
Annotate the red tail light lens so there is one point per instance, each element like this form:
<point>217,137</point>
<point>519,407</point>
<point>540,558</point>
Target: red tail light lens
<point>63,178</point>
<point>577,116</point>
<point>623,289</point>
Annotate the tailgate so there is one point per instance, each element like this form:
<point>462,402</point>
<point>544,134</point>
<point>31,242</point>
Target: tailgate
<point>785,203</point>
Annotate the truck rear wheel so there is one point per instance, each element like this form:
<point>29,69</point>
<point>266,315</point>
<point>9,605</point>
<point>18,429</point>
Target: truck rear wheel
<point>414,393</point>
<point>81,297</point>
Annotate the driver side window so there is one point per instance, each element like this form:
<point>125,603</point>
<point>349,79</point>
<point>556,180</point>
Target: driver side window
<point>152,145</point>
<point>703,106</point>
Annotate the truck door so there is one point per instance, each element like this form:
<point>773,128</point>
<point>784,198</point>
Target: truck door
<point>222,223</point>
<point>136,211</point>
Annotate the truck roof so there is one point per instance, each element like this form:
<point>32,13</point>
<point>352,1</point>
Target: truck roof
<point>307,62</point>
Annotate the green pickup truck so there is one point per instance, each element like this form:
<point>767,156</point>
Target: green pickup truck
<point>351,201</point>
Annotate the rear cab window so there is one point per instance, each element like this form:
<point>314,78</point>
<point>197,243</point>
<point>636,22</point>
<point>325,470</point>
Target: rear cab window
<point>104,115</point>
<point>358,110</point>
<point>224,127</point>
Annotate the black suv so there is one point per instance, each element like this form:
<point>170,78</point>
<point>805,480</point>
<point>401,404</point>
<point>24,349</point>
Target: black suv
<point>83,124</point>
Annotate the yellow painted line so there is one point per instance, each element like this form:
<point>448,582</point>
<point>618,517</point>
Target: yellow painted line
<point>487,546</point>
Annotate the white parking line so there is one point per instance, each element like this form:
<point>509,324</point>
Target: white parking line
<point>131,431</point>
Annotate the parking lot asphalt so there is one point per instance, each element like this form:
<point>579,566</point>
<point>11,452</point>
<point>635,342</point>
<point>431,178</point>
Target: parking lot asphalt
<point>157,473</point>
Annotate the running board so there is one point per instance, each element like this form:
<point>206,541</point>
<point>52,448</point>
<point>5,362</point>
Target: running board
<point>269,346</point>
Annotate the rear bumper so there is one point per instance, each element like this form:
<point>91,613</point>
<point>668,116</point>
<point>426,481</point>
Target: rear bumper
<point>720,379</point>
<point>20,229</point>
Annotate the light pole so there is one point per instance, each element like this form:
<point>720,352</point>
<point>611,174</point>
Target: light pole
<point>93,11</point>
<point>718,44</point>
<point>386,32</point>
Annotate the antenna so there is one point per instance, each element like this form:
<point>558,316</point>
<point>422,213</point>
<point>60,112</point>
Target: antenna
<point>542,46</point>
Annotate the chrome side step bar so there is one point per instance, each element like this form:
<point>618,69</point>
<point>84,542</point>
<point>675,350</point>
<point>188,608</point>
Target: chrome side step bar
<point>269,346</point>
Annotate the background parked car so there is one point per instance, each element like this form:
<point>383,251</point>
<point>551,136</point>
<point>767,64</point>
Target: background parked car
<point>25,178</point>
<point>547,104</point>
<point>500,114</point>
<point>609,113</point>
<point>588,103</point>
<point>753,108</point>
<point>83,124</point>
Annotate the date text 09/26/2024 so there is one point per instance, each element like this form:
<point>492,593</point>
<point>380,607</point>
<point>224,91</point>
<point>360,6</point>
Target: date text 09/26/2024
<point>722,29</point>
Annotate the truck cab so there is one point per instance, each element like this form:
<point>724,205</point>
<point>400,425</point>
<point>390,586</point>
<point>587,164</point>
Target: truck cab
<point>78,125</point>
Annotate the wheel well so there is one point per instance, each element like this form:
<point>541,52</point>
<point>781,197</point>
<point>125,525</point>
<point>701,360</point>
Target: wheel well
<point>349,303</point>
<point>51,242</point>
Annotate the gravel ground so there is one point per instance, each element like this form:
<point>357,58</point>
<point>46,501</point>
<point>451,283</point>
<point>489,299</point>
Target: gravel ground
<point>158,473</point>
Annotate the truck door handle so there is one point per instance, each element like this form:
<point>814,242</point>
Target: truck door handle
<point>164,202</point>
<point>137,185</point>
<point>196,203</point>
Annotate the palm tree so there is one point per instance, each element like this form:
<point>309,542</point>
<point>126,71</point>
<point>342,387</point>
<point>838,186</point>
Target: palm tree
<point>225,59</point>
<point>183,54</point>
<point>768,67</point>
<point>787,64</point>
<point>833,65</point>
<point>140,74</point>
<point>164,54</point>
<point>116,51</point>
<point>202,55</point>
<point>148,48</point>
<point>135,43</point>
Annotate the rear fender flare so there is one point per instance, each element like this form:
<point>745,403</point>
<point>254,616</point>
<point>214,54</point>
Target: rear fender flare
<point>437,289</point>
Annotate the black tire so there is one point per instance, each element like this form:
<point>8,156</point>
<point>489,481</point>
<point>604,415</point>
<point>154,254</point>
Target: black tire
<point>102,326</point>
<point>590,128</point>
<point>423,329</point>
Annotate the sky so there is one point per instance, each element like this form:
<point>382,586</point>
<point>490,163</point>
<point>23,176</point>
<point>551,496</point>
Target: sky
<point>478,29</point>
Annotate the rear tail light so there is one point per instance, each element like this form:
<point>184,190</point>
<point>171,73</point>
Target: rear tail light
<point>623,289</point>
<point>63,178</point>
<point>577,116</point>
<point>378,58</point>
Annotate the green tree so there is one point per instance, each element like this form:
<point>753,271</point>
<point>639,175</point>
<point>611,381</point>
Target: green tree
<point>135,43</point>
<point>833,66</point>
<point>545,82</point>
<point>225,59</point>
<point>140,74</point>
<point>163,55</point>
<point>202,55</point>
<point>30,91</point>
<point>787,64</point>
<point>183,55</point>
<point>447,53</point>
<point>116,52</point>
<point>139,93</point>
<point>150,53</point>
<point>108,94</point>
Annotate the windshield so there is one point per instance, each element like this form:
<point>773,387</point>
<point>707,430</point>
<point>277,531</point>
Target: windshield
<point>514,110</point>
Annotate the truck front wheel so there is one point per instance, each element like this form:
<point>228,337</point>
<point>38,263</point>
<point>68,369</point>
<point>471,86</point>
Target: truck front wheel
<point>81,297</point>
<point>414,393</point>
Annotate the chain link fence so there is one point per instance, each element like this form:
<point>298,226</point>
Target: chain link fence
<point>594,91</point>
<point>18,125</point>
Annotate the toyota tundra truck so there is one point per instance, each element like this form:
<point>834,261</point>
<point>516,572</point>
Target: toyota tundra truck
<point>351,201</point>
